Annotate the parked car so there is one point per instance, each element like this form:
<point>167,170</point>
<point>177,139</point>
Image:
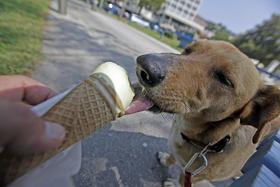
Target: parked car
<point>113,8</point>
<point>138,19</point>
<point>155,27</point>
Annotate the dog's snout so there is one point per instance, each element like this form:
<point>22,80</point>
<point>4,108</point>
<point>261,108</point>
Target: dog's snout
<point>150,70</point>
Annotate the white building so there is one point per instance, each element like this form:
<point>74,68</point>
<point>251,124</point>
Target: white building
<point>181,14</point>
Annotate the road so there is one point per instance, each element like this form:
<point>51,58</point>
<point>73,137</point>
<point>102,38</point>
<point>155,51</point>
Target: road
<point>76,43</point>
<point>123,152</point>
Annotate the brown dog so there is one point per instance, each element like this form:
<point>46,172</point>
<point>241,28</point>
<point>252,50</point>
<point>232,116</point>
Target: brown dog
<point>217,97</point>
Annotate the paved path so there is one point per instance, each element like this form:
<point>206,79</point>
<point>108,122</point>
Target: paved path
<point>122,153</point>
<point>76,43</point>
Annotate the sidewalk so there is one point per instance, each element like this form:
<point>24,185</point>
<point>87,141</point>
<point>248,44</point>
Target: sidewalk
<point>76,43</point>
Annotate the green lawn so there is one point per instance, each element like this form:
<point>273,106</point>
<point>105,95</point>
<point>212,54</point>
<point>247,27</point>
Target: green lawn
<point>173,42</point>
<point>21,26</point>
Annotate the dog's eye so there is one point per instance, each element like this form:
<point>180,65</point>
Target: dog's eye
<point>187,51</point>
<point>220,76</point>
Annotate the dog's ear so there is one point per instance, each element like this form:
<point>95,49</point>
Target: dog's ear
<point>264,107</point>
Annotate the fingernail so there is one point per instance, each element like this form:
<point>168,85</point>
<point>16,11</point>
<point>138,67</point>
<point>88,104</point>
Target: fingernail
<point>54,131</point>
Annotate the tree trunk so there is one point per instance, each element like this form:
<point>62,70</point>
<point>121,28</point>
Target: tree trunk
<point>62,7</point>
<point>101,3</point>
<point>140,9</point>
<point>123,8</point>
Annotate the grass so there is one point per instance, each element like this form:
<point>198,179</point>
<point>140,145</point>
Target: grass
<point>172,42</point>
<point>21,26</point>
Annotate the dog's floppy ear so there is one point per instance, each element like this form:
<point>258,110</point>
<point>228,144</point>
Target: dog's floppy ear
<point>264,107</point>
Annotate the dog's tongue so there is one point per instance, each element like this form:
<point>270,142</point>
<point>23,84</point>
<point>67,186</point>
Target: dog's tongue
<point>138,105</point>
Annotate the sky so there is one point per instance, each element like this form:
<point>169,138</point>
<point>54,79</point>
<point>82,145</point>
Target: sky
<point>239,15</point>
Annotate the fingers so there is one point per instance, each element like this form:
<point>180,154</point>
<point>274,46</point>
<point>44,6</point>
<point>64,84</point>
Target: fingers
<point>21,88</point>
<point>37,94</point>
<point>23,132</point>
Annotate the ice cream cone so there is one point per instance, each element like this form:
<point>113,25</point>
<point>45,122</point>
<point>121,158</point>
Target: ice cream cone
<point>86,108</point>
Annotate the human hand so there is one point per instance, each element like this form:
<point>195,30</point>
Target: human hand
<point>21,131</point>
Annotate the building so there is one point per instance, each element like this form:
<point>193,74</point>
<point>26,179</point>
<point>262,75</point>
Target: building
<point>181,14</point>
<point>200,20</point>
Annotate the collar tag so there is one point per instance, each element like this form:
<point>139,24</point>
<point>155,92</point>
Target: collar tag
<point>218,147</point>
<point>199,155</point>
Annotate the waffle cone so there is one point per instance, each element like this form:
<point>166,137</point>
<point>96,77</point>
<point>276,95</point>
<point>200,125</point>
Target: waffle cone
<point>81,112</point>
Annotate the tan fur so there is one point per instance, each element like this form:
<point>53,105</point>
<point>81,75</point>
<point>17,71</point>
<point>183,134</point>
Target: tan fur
<point>207,110</point>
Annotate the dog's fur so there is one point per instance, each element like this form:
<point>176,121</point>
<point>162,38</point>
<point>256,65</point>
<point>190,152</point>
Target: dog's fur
<point>214,90</point>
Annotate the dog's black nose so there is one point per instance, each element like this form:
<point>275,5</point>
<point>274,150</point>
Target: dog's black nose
<point>150,69</point>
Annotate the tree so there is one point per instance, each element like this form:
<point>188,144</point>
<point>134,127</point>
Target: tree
<point>220,31</point>
<point>151,4</point>
<point>262,42</point>
<point>222,35</point>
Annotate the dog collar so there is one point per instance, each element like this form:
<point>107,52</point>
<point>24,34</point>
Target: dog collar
<point>216,148</point>
<point>205,148</point>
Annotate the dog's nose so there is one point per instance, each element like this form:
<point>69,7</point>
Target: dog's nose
<point>150,70</point>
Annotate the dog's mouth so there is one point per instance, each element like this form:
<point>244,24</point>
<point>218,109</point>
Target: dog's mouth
<point>142,102</point>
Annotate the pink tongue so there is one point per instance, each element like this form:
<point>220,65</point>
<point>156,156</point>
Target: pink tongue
<point>139,105</point>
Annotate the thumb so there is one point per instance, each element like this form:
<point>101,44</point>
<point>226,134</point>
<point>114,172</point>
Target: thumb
<point>22,132</point>
<point>38,139</point>
<point>52,137</point>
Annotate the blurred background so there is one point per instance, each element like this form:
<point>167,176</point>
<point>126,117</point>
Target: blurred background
<point>253,26</point>
<point>60,42</point>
